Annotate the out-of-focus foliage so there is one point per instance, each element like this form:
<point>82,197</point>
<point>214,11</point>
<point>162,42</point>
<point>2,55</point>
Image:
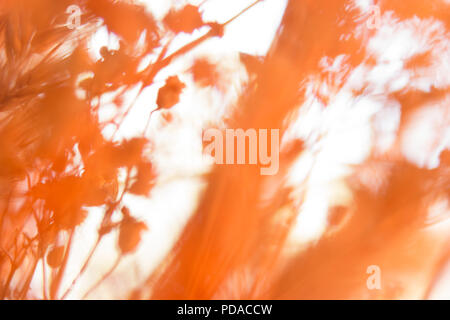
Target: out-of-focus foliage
<point>56,163</point>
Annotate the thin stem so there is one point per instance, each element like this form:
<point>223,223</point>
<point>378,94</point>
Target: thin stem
<point>44,281</point>
<point>147,125</point>
<point>56,283</point>
<point>84,267</point>
<point>242,12</point>
<point>15,263</point>
<point>158,66</point>
<point>103,278</point>
<point>26,286</point>
<point>5,210</point>
<point>125,115</point>
<point>10,275</point>
<point>161,56</point>
<point>99,239</point>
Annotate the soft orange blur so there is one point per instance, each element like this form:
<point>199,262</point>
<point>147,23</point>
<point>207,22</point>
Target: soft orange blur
<point>57,163</point>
